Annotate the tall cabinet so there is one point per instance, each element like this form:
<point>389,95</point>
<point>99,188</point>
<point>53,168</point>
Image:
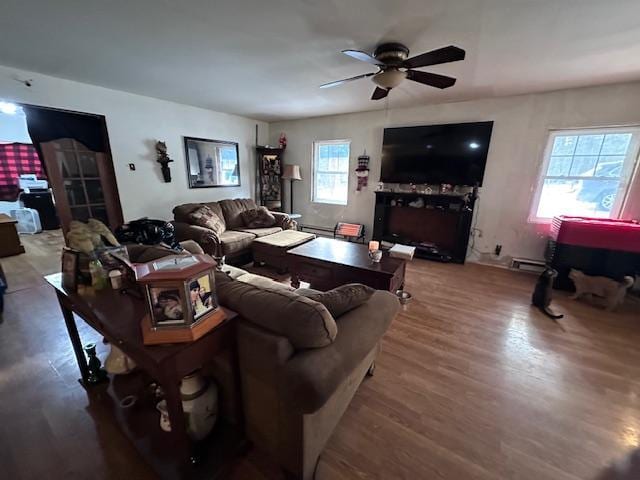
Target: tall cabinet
<point>270,177</point>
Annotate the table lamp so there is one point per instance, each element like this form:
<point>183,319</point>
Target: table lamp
<point>291,173</point>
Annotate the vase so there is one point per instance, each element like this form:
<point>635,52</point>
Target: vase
<point>199,403</point>
<point>117,363</point>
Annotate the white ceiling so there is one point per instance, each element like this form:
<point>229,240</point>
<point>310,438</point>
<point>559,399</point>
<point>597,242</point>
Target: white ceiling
<point>266,58</point>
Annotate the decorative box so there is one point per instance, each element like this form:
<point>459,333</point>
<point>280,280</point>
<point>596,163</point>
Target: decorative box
<point>181,298</point>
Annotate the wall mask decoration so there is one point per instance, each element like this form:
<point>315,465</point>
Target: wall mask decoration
<point>212,163</point>
<point>163,159</point>
<point>362,171</point>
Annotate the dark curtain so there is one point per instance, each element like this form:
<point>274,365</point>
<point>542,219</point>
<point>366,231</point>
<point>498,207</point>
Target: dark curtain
<point>45,124</point>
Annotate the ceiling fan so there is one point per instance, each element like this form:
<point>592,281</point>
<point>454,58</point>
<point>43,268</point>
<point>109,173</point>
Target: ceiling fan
<point>394,66</point>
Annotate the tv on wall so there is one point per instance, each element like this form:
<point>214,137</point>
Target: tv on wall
<point>454,153</point>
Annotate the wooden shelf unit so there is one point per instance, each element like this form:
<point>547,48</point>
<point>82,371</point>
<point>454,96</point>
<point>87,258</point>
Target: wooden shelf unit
<point>439,230</point>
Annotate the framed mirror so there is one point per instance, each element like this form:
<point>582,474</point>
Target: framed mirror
<point>212,163</point>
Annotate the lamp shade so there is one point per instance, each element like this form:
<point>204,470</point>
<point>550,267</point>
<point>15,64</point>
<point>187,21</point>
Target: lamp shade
<point>291,172</point>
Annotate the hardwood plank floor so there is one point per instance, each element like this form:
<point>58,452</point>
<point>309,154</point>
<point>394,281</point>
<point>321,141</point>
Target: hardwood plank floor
<point>471,383</point>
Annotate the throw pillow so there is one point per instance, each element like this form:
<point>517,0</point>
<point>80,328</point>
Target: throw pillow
<point>342,299</point>
<point>203,216</point>
<point>258,218</point>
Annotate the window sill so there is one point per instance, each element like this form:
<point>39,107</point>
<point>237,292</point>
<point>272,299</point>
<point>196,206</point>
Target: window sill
<point>328,202</point>
<point>540,221</point>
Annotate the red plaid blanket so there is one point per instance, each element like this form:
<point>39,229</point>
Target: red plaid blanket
<point>16,159</point>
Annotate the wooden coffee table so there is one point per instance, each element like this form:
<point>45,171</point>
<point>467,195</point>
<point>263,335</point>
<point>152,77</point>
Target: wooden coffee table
<point>326,263</point>
<point>271,250</point>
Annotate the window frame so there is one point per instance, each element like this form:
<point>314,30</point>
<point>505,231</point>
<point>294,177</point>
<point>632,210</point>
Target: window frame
<point>629,168</point>
<point>315,148</point>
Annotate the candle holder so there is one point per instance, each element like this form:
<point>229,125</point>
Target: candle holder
<point>97,374</point>
<point>375,255</point>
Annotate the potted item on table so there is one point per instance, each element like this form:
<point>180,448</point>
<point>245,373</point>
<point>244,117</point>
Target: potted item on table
<point>90,239</point>
<point>181,300</point>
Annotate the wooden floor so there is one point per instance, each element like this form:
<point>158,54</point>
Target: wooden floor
<point>472,383</point>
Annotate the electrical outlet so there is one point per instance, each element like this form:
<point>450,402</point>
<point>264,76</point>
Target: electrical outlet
<point>498,250</point>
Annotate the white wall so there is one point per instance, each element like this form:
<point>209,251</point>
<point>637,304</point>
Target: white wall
<point>13,128</point>
<point>135,123</point>
<point>517,145</point>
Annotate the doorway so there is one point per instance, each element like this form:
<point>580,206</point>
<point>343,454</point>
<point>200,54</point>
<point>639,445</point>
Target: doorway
<point>73,148</point>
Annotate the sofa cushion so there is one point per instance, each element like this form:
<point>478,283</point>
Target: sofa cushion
<point>307,324</point>
<point>232,210</point>
<point>341,299</point>
<point>233,241</point>
<point>203,216</point>
<point>258,218</point>
<point>261,232</point>
<point>181,212</point>
<point>258,280</point>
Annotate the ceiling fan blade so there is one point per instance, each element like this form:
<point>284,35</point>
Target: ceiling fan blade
<point>379,93</point>
<point>340,82</point>
<point>435,57</point>
<point>431,79</point>
<point>362,56</point>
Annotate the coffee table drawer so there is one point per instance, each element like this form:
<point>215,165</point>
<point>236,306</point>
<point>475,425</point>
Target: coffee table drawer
<point>307,269</point>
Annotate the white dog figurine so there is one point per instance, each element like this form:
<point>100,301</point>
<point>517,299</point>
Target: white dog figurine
<point>611,292</point>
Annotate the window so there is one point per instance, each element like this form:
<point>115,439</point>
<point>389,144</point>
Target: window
<point>586,173</point>
<point>331,171</point>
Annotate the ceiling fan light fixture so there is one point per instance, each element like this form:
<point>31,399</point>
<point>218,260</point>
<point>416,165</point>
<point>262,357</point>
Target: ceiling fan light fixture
<point>389,78</point>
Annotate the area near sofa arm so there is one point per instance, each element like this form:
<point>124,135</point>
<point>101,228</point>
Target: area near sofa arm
<point>205,237</point>
<point>311,376</point>
<point>284,221</point>
<point>262,353</point>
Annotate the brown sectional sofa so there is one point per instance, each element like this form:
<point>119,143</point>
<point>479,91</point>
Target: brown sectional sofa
<point>235,241</point>
<point>299,366</point>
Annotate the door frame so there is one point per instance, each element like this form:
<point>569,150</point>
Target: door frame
<point>110,188</point>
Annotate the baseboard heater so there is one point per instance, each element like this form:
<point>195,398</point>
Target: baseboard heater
<point>528,265</point>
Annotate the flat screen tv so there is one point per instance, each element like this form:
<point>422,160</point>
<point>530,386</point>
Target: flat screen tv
<point>454,153</point>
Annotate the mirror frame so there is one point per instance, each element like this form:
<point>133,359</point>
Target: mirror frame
<point>208,140</point>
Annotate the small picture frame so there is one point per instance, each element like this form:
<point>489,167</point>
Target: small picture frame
<point>202,296</point>
<point>167,305</point>
<point>70,262</point>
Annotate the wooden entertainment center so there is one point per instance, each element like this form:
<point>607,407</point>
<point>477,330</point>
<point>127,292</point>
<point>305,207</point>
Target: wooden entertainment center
<point>439,229</point>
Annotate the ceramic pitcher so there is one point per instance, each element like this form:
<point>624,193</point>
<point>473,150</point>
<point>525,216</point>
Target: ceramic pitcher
<point>199,403</point>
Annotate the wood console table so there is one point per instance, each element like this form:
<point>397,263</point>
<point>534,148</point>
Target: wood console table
<point>117,317</point>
